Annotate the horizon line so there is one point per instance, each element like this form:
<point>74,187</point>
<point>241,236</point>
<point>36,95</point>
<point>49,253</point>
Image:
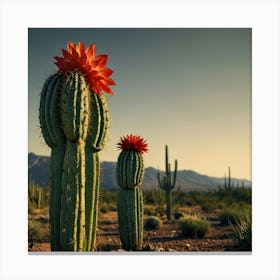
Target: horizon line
<point>235,178</point>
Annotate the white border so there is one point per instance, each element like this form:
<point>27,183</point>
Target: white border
<point>262,16</point>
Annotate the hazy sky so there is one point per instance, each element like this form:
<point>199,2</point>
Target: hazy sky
<point>188,88</point>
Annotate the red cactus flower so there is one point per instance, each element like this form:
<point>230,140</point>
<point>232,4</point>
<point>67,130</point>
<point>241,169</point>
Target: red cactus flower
<point>133,142</point>
<point>88,63</point>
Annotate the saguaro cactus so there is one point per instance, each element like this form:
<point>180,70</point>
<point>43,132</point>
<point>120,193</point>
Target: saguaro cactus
<point>228,185</point>
<point>167,184</point>
<point>129,175</point>
<point>74,121</point>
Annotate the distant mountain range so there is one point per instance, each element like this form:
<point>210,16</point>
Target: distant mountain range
<point>38,172</point>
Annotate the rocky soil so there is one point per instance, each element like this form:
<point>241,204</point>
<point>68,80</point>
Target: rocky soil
<point>166,239</point>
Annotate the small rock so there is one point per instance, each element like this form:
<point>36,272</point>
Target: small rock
<point>159,249</point>
<point>121,250</point>
<point>171,250</point>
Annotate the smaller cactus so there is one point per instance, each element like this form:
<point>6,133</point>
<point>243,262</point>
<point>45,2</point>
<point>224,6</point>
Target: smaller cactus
<point>167,184</point>
<point>129,175</point>
<point>228,185</point>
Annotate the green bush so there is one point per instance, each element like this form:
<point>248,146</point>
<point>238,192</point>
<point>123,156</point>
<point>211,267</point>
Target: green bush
<point>108,197</point>
<point>31,208</point>
<point>193,226</point>
<point>152,223</point>
<point>208,206</point>
<point>233,215</point>
<point>242,233</point>
<point>160,211</point>
<point>178,214</point>
<point>149,211</point>
<point>37,231</point>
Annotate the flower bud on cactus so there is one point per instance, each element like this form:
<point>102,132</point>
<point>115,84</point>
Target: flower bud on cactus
<point>130,174</point>
<point>74,121</point>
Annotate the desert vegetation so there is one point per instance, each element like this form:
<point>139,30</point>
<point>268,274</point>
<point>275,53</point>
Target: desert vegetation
<point>201,221</point>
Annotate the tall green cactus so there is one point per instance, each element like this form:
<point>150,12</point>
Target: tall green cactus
<point>167,184</point>
<point>85,122</point>
<point>74,120</point>
<point>129,175</point>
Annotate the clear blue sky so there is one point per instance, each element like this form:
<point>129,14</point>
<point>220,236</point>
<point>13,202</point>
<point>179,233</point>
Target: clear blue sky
<point>188,88</point>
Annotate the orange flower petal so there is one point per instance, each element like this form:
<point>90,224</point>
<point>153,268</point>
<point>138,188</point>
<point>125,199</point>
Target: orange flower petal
<point>91,66</point>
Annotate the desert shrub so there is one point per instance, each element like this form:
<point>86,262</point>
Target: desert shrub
<point>189,202</point>
<point>233,215</point>
<point>108,196</point>
<point>239,194</point>
<point>193,226</point>
<point>104,208</point>
<point>107,222</point>
<point>31,208</point>
<point>242,234</point>
<point>159,211</point>
<point>149,211</point>
<point>178,214</point>
<point>221,205</point>
<point>242,194</point>
<point>152,223</point>
<point>37,231</point>
<point>112,207</point>
<point>208,206</point>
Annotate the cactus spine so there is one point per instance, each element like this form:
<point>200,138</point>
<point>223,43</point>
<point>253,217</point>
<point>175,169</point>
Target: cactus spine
<point>167,184</point>
<point>129,175</point>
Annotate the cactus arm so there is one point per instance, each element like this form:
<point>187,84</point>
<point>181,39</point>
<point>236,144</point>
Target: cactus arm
<point>98,122</point>
<point>166,159</point>
<point>49,96</point>
<point>159,181</point>
<point>104,122</point>
<point>49,117</point>
<point>175,175</point>
<point>42,113</point>
<point>54,113</point>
